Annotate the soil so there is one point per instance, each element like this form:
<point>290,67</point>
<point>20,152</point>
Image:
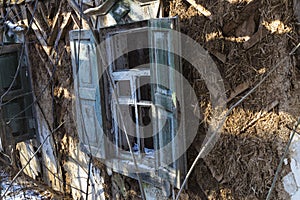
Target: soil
<point>244,160</point>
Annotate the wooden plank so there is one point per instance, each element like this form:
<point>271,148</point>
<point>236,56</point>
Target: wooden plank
<point>62,30</point>
<point>41,24</point>
<point>2,12</point>
<point>24,15</point>
<point>201,9</point>
<point>43,57</point>
<point>11,15</point>
<point>257,37</point>
<point>54,29</point>
<point>18,16</point>
<point>11,2</point>
<point>75,20</point>
<point>42,9</point>
<point>42,41</point>
<point>101,10</point>
<point>9,48</point>
<point>238,90</point>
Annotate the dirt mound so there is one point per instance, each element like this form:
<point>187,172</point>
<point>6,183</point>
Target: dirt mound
<point>246,39</point>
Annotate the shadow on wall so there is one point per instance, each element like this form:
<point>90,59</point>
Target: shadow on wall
<point>246,41</point>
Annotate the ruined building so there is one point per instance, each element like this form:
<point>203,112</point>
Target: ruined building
<point>150,99</point>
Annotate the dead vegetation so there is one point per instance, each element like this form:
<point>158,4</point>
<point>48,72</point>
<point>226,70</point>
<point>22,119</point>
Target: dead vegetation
<point>246,38</point>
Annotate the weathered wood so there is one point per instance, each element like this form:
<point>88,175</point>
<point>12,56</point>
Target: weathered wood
<point>41,24</point>
<point>102,9</point>
<point>55,24</point>
<point>258,36</point>
<point>18,16</point>
<point>39,36</point>
<point>238,90</point>
<point>43,57</point>
<point>219,56</point>
<point>42,9</point>
<point>12,2</point>
<point>2,12</point>
<point>75,20</point>
<point>201,9</point>
<point>11,15</point>
<point>9,48</point>
<point>62,30</point>
<point>247,11</point>
<point>43,43</point>
<point>24,15</point>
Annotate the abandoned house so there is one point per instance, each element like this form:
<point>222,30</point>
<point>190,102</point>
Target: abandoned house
<point>94,102</point>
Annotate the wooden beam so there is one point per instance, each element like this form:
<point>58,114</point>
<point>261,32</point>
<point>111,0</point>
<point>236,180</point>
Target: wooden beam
<point>75,20</point>
<point>17,11</point>
<point>42,9</point>
<point>201,9</point>
<point>10,48</point>
<point>41,24</point>
<point>257,37</point>
<point>11,15</point>
<point>43,43</point>
<point>55,24</point>
<point>43,57</point>
<point>24,15</point>
<point>62,30</point>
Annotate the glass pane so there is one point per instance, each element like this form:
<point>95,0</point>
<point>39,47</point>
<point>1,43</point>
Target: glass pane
<point>146,129</point>
<point>127,114</point>
<point>8,67</point>
<point>143,88</point>
<point>123,88</point>
<point>134,56</point>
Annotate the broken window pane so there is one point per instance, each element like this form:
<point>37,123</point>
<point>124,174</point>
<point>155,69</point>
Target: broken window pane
<point>8,68</point>
<point>143,89</point>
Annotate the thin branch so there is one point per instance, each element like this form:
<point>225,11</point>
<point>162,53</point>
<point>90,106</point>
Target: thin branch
<point>210,140</point>
<point>282,160</point>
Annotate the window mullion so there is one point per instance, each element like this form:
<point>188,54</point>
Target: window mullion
<point>133,82</point>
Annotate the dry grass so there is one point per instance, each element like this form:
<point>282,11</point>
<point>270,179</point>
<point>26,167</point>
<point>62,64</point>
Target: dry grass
<point>244,162</point>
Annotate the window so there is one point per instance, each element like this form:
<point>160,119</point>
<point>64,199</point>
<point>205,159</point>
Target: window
<point>127,95</point>
<point>17,117</point>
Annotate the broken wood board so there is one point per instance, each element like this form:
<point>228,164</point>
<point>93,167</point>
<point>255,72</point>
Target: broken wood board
<point>220,56</point>
<point>238,90</point>
<point>257,37</point>
<point>250,9</point>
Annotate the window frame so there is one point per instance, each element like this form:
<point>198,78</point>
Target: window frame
<point>23,94</point>
<point>163,176</point>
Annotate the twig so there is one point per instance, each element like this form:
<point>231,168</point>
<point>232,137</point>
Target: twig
<point>260,115</point>
<point>210,140</point>
<point>281,161</point>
